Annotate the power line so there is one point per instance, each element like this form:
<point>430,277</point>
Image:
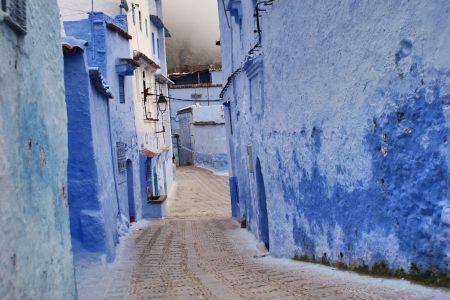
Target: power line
<point>190,100</point>
<point>67,8</point>
<point>74,14</point>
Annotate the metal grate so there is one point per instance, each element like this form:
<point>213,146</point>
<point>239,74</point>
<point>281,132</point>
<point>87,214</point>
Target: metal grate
<point>121,89</point>
<point>16,14</point>
<point>121,156</point>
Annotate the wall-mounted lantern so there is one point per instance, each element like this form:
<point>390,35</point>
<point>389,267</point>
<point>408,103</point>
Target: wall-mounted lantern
<point>162,103</point>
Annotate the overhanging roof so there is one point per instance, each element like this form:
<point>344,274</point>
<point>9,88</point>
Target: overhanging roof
<point>72,45</point>
<point>141,57</point>
<point>163,79</point>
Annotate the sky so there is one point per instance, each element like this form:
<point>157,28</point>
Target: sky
<point>194,26</point>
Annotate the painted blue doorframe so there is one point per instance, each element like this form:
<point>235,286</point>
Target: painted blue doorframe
<point>263,219</point>
<point>131,204</point>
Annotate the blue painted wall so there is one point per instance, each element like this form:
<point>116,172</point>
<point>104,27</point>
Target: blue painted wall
<point>349,116</point>
<point>35,248</point>
<point>92,198</point>
<point>202,139</point>
<point>113,123</point>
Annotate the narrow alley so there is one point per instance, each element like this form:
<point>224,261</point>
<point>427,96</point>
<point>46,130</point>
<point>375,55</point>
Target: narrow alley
<point>199,252</point>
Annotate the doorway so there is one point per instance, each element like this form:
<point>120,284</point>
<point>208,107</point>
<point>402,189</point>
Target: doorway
<point>130,187</point>
<point>263,218</point>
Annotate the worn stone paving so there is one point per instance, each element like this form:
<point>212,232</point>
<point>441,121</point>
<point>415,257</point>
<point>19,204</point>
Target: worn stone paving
<point>198,252</point>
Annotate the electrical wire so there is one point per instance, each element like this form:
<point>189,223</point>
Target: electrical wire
<point>190,100</point>
<point>74,14</point>
<point>251,51</point>
<point>67,8</point>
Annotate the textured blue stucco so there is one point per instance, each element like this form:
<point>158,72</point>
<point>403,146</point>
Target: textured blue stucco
<point>90,190</point>
<point>114,122</point>
<point>35,248</point>
<point>349,116</point>
<point>234,195</point>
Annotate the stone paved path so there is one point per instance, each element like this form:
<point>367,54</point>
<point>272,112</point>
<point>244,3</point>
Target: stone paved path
<point>198,252</point>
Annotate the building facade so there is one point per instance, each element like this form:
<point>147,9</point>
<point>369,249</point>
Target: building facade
<point>35,252</point>
<point>102,132</point>
<point>202,137</point>
<point>201,88</point>
<point>338,126</point>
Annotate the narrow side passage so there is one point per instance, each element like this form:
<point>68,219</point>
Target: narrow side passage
<point>199,252</point>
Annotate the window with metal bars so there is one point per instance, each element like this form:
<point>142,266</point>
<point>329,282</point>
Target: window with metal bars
<point>16,14</point>
<point>122,89</point>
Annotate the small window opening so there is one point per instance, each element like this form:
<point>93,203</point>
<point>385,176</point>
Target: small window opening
<point>153,43</point>
<point>143,80</point>
<point>122,89</point>
<point>146,27</point>
<point>140,20</point>
<point>157,47</point>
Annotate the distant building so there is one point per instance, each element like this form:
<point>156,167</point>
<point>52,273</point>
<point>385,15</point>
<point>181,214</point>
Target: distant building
<point>338,124</point>
<point>202,137</point>
<point>200,88</point>
<point>35,248</point>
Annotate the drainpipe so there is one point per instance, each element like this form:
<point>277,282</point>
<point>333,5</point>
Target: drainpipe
<point>112,161</point>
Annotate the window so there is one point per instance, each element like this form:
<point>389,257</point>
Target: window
<point>122,89</point>
<point>121,149</point>
<point>16,16</point>
<point>133,14</point>
<point>140,20</point>
<point>146,27</point>
<point>143,81</point>
<point>153,42</point>
<point>157,46</point>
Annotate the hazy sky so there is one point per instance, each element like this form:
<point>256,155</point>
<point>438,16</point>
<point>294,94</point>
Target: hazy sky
<point>194,26</point>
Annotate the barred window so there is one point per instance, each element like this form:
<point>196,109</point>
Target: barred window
<point>122,89</point>
<point>16,16</point>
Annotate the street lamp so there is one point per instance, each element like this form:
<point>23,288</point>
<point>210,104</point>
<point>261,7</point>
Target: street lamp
<point>162,103</point>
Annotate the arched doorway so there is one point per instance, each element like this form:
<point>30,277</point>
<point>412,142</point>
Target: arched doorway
<point>263,219</point>
<point>130,187</point>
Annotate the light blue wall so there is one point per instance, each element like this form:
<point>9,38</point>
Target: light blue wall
<point>114,123</point>
<point>346,105</point>
<point>35,252</point>
<point>203,137</point>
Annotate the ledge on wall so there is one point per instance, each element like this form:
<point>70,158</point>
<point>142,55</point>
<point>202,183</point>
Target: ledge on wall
<point>99,82</point>
<point>156,199</point>
<point>207,123</point>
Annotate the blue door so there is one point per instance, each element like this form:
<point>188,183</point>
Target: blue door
<point>263,219</point>
<point>131,206</point>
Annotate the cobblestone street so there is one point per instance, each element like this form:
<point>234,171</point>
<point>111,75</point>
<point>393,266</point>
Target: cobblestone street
<point>198,252</point>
